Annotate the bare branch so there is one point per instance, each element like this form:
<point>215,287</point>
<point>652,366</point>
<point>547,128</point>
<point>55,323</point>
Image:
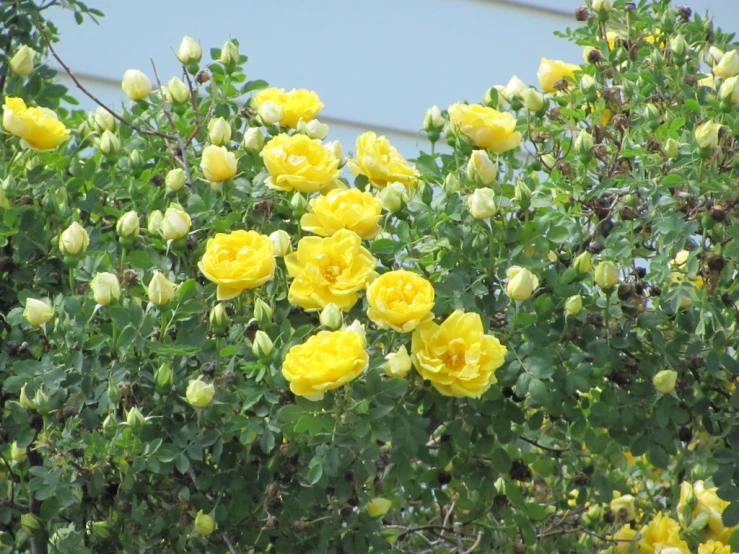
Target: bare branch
<point>547,448</point>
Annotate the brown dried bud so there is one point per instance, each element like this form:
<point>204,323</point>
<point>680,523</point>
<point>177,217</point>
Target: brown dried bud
<point>81,288</point>
<point>266,207</point>
<point>611,94</point>
<point>627,213</point>
<point>620,122</point>
<point>625,291</point>
<point>594,56</point>
<point>653,145</point>
<point>124,387</point>
<point>581,479</point>
<point>582,13</point>
<point>299,525</point>
<point>716,263</point>
<point>718,214</point>
<point>130,277</point>
<point>600,151</point>
<point>630,6</point>
<point>690,80</point>
<point>157,180</point>
<point>565,168</point>
<point>202,77</point>
<point>554,113</point>
<point>655,290</point>
<point>272,523</point>
<point>272,490</point>
<point>685,12</point>
<point>561,85</point>
<point>500,501</point>
<point>540,137</point>
<point>25,200</point>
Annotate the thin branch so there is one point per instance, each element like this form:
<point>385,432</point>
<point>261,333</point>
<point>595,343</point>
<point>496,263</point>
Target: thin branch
<point>95,99</point>
<point>192,96</point>
<point>547,448</point>
<point>11,476</point>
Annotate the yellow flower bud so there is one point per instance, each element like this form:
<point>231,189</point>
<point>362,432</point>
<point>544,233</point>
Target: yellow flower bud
<point>217,163</point>
<point>729,90</point>
<point>105,288</point>
<point>679,45</point>
<point>393,196</point>
<point>583,263</point>
<point>671,148</point>
<point>109,143</point>
<point>706,135</point>
<point>262,345</point>
<point>713,56</point>
<point>601,6</point>
<point>128,225</point>
<point>398,363</point>
<point>178,90</point>
<point>74,240</point>
<point>331,316</point>
<point>728,66</point>
<point>219,131</point>
<point>204,524</point>
<point>176,223</point>
<point>135,419</point>
<point>584,144</point>
<point>37,312</point>
<point>433,121</point>
<point>229,53</point>
<point>664,381</point>
<point>521,283</point>
<point>4,202</point>
<point>606,275</point>
<point>522,193</point>
<point>175,179</point>
<point>253,139</point>
<point>101,529</point>
<point>451,183</point>
<point>281,242</point>
<point>103,120</point>
<point>481,169</point>
<point>532,99</point>
<point>573,304</point>
<point>154,222</point>
<point>199,394</point>
<point>189,51</point>
<point>270,112</point>
<point>24,401</point>
<point>30,523</point>
<point>41,401</point>
<point>22,61</point>
<point>481,203</point>
<point>160,289</point>
<point>218,318</point>
<point>624,502</point>
<point>164,376</point>
<point>514,88</point>
<point>334,147</point>
<point>262,311</point>
<point>314,129</point>
<point>17,454</point>
<point>135,84</point>
<point>378,507</point>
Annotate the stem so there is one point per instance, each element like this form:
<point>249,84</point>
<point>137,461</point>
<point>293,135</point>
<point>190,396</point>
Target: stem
<point>39,540</point>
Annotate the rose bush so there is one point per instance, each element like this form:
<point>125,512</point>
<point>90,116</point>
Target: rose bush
<point>219,333</point>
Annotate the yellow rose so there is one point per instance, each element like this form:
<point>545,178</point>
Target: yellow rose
<point>175,223</point>
<point>623,502</point>
<point>344,209</point>
<point>238,261</point>
<point>661,531</point>
<point>296,104</point>
<point>709,503</point>
<point>199,394</point>
<point>105,288</point>
<point>400,300</point>
<point>324,362</point>
<point>217,163</point>
<point>378,507</point>
<point>380,161</point>
<point>160,290</point>
<point>329,270</point>
<point>299,163</point>
<point>521,283</point>
<point>399,363</point>
<point>205,524</point>
<point>551,71</point>
<point>486,128</point>
<point>625,542</point>
<point>37,312</point>
<point>714,547</point>
<point>74,240</point>
<point>457,356</point>
<point>39,127</point>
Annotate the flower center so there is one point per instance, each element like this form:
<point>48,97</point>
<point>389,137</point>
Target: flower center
<point>330,273</point>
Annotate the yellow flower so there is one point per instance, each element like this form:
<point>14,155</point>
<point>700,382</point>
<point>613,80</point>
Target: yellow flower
<point>238,261</point>
<point>398,363</point>
<point>709,503</point>
<point>299,163</point>
<point>657,36</point>
<point>623,502</point>
<point>344,209</point>
<point>217,163</point>
<point>325,361</point>
<point>105,288</point>
<point>400,300</point>
<point>551,71</point>
<point>380,161</point>
<point>160,290</point>
<point>37,312</point>
<point>74,240</point>
<point>176,223</point>
<point>625,543</point>
<point>200,394</point>
<point>606,275</point>
<point>329,270</point>
<point>714,547</point>
<point>17,454</point>
<point>486,128</point>
<point>661,531</point>
<point>378,507</point>
<point>205,524</point>
<point>664,381</point>
<point>39,127</point>
<point>457,356</point>
<point>296,104</point>
<point>521,283</point>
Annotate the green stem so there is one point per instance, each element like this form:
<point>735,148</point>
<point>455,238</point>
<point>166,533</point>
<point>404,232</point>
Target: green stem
<point>162,326</point>
<point>71,280</point>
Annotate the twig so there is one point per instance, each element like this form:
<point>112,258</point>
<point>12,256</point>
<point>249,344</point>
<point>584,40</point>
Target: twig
<point>547,448</point>
<point>11,476</point>
<point>38,540</point>
<point>95,99</point>
<point>458,533</point>
<point>192,96</point>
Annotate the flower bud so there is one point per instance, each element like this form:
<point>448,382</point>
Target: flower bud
<point>41,401</point>
<point>22,61</point>
<point>624,502</point>
<point>573,305</point>
<point>101,529</point>
<point>299,203</point>
<point>664,381</point>
<point>229,54</point>
<point>606,275</point>
<point>671,148</point>
<point>4,202</point>
<point>17,454</point>
<point>713,56</point>
<point>109,143</point>
<point>398,363</point>
<point>189,51</point>
<point>175,179</point>
<point>199,394</point>
<point>336,149</point>
<point>378,507</point>
<point>219,319</point>
<point>204,524</point>
<point>393,196</point>
<point>103,120</point>
<point>110,426</point>
<point>135,84</point>
<point>30,523</point>
<point>522,193</point>
<point>178,90</point>
<point>164,377</point>
<point>451,183</point>
<point>679,46</point>
<point>262,346</point>
<point>176,223</point>
<point>154,222</point>
<point>314,129</point>
<point>728,66</point>
<point>136,162</point>
<point>219,131</point>
<point>433,121</point>
<point>114,393</point>
<point>24,401</point>
<point>601,6</point>
<point>253,139</point>
<point>481,169</point>
<point>588,87</point>
<point>281,242</point>
<point>270,113</point>
<point>262,311</point>
<point>481,203</point>
<point>331,317</point>
<point>514,88</point>
<point>583,263</point>
<point>521,283</point>
<point>728,90</point>
<point>532,99</point>
<point>37,312</point>
<point>584,144</point>
<point>128,225</point>
<point>706,134</point>
<point>135,419</point>
<point>105,288</point>
<point>74,240</point>
<point>160,289</point>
